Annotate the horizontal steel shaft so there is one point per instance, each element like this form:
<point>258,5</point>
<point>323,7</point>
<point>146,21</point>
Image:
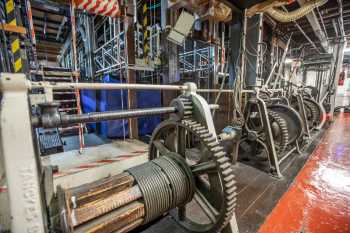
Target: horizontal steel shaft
<point>116,86</point>
<point>57,120</point>
<point>114,115</point>
<point>103,86</point>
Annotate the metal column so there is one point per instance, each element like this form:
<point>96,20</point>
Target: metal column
<point>337,64</point>
<point>75,71</point>
<point>252,38</point>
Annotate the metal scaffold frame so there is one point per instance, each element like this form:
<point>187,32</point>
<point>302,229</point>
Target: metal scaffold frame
<point>111,56</point>
<point>196,60</point>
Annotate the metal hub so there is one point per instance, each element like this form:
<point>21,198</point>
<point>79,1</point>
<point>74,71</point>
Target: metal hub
<point>214,194</point>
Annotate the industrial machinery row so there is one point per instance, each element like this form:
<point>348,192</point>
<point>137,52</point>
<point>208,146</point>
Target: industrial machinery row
<point>189,163</point>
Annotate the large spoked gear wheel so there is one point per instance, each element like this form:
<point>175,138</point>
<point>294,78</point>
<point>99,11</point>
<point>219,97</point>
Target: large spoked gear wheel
<point>214,183</point>
<point>279,131</point>
<point>313,113</point>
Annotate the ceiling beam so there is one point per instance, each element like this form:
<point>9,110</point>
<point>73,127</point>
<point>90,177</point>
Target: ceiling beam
<point>313,20</point>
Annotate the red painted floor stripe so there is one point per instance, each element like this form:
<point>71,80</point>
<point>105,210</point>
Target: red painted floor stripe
<point>319,199</point>
<point>3,189</point>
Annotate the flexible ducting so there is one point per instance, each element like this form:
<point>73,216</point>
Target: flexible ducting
<point>220,12</point>
<point>285,17</point>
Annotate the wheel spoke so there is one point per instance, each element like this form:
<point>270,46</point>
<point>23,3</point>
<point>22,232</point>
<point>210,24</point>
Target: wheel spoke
<point>161,147</point>
<point>203,168</point>
<point>205,205</point>
<point>181,141</point>
<point>182,213</point>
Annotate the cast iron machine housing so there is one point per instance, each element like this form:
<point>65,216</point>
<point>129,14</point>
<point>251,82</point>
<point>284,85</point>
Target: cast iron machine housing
<point>304,101</point>
<point>271,129</point>
<point>186,165</point>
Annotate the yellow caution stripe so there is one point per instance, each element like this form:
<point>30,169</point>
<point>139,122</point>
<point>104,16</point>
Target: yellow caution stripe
<point>18,65</point>
<point>15,46</point>
<point>14,39</point>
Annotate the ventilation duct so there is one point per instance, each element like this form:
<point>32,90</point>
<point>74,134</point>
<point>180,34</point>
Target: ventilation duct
<point>271,7</point>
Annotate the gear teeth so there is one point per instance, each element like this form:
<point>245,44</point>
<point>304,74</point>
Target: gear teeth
<point>315,114</point>
<point>223,160</point>
<point>227,171</point>
<point>230,184</point>
<point>206,135</point>
<point>282,124</point>
<point>229,177</point>
<point>217,148</point>
<point>224,169</point>
<point>213,144</point>
<point>225,166</point>
<point>210,139</point>
<point>190,123</point>
<point>219,154</point>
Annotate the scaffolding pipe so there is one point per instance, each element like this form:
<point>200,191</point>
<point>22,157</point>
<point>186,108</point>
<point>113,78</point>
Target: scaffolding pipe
<point>103,86</point>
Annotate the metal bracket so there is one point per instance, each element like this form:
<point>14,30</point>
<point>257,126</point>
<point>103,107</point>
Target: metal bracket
<point>272,155</point>
<point>302,113</point>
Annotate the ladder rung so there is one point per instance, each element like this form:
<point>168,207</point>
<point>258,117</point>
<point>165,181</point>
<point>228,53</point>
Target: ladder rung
<point>67,109</point>
<point>63,92</point>
<point>66,101</point>
<point>58,78</point>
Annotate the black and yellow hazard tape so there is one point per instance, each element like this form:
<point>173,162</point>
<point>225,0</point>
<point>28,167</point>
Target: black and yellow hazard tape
<point>145,24</point>
<point>14,38</point>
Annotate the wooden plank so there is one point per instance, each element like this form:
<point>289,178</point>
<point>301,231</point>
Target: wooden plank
<point>13,28</point>
<point>48,30</point>
<point>93,191</point>
<point>52,17</point>
<point>131,74</point>
<point>118,220</point>
<point>47,55</point>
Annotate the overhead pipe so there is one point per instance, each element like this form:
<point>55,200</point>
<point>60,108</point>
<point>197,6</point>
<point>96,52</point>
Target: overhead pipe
<point>304,34</point>
<point>284,17</point>
<point>340,19</point>
<point>270,7</point>
<point>312,18</point>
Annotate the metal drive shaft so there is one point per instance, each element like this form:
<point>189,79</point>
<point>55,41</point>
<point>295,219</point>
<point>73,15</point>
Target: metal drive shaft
<point>115,115</point>
<point>55,119</point>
